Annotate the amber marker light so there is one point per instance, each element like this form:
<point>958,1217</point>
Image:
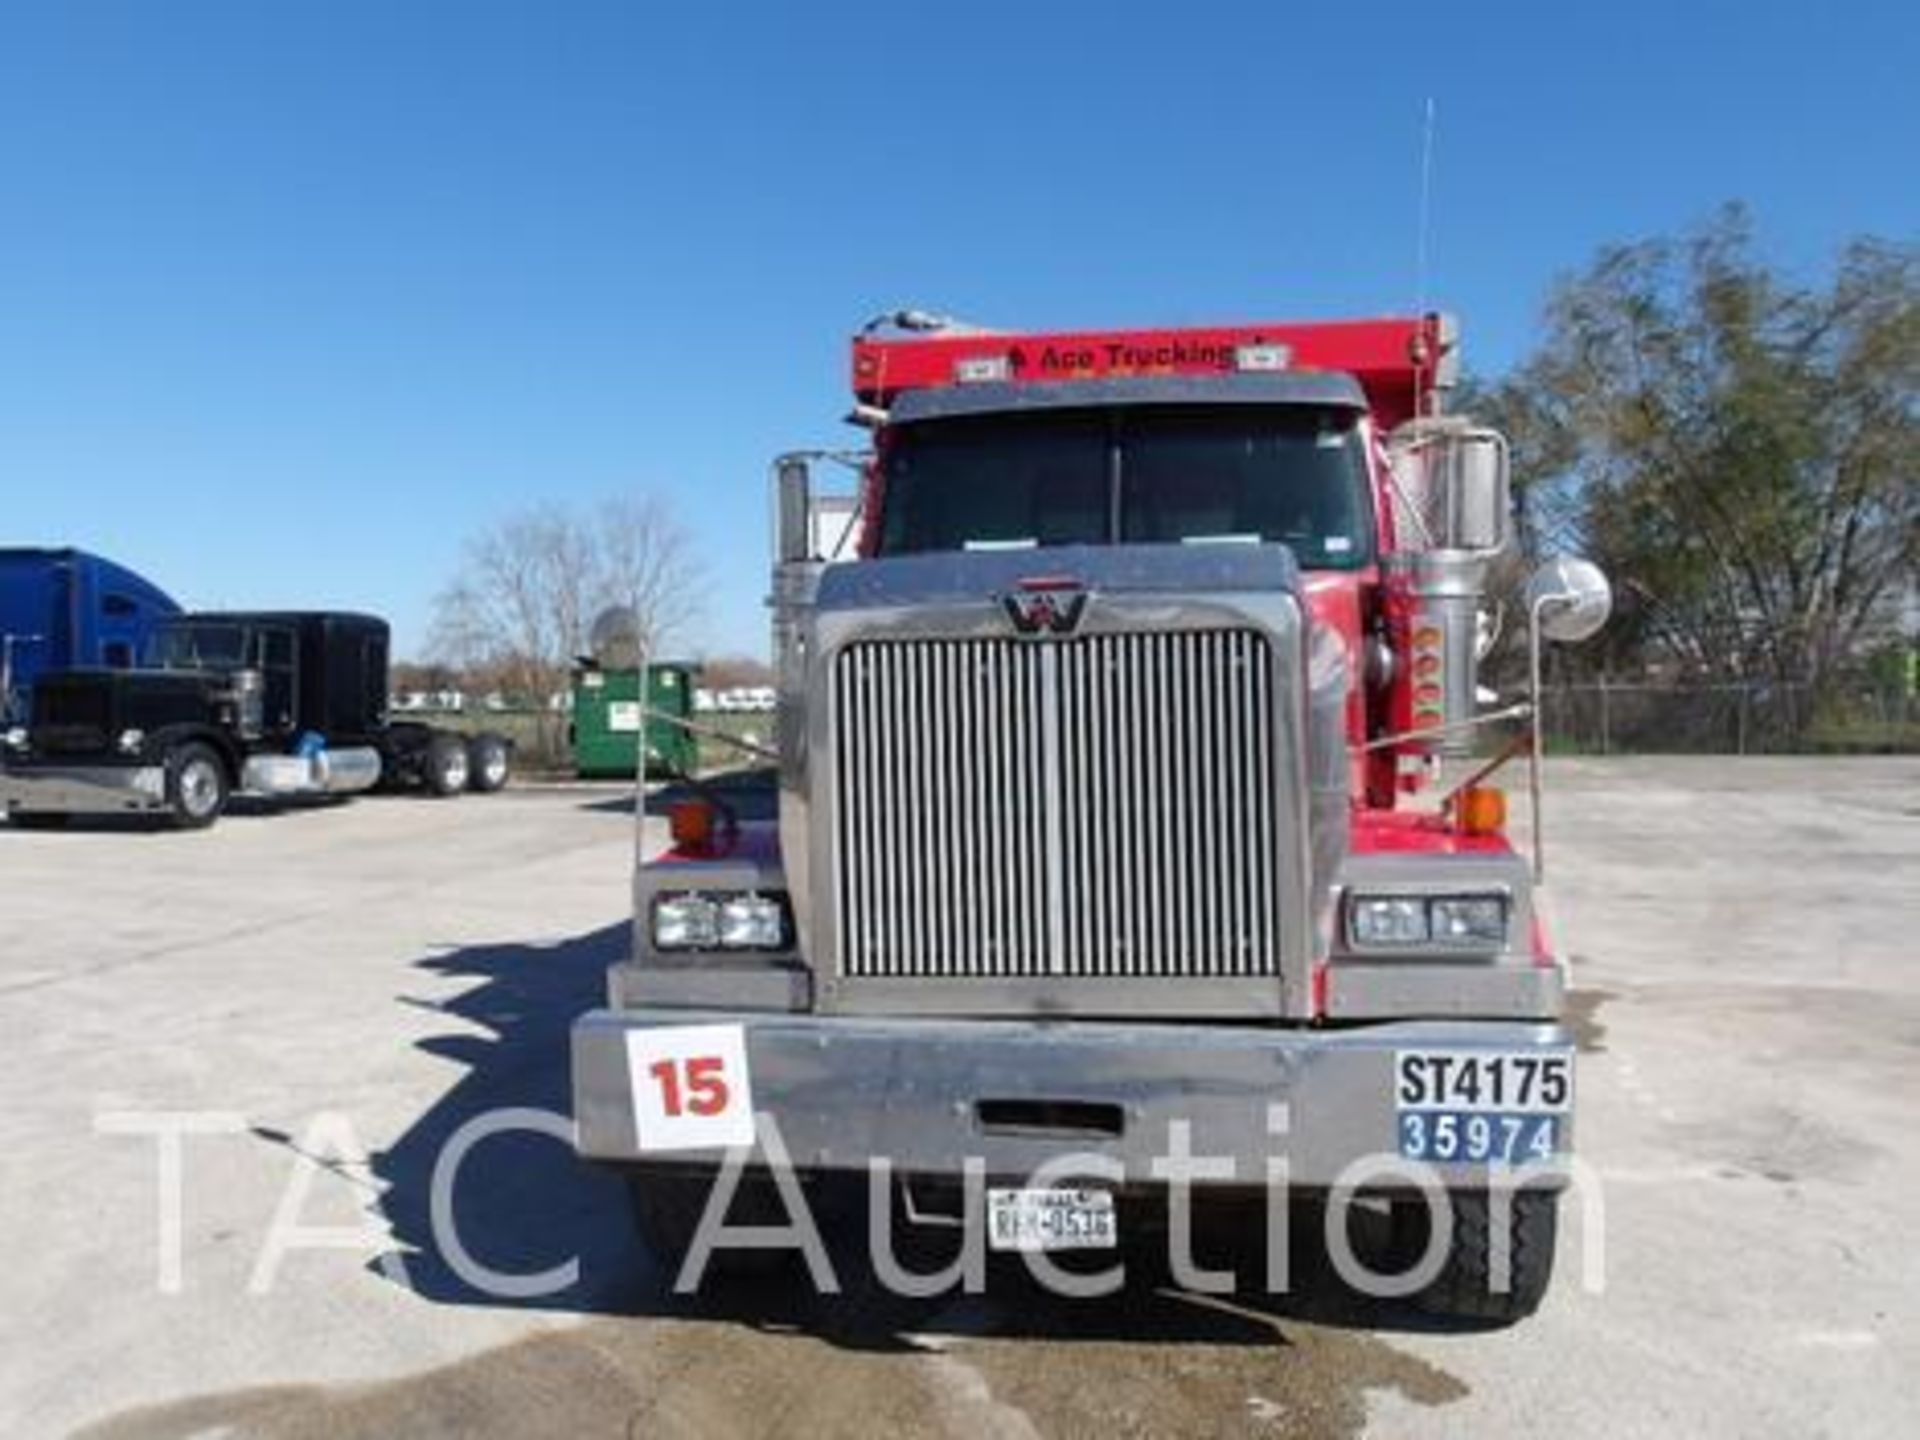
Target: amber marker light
<point>690,822</point>
<point>1482,810</point>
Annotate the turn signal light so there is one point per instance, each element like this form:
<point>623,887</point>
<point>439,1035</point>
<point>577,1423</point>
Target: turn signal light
<point>690,822</point>
<point>1482,810</point>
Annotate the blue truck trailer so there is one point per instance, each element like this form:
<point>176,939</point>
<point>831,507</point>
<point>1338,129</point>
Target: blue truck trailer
<point>67,609</point>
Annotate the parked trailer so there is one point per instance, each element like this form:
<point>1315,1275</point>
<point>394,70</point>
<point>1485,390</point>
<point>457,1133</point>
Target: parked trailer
<point>264,703</point>
<point>64,608</point>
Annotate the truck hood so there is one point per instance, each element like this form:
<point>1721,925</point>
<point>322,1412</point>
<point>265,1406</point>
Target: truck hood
<point>78,712</point>
<point>947,577</point>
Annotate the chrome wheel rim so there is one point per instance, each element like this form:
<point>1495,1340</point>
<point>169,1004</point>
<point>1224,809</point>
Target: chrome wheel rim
<point>199,788</point>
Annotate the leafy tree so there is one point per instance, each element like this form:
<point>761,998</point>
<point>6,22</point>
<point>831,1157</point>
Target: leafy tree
<point>1737,449</point>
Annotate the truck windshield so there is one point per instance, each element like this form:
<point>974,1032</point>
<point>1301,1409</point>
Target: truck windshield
<point>197,647</point>
<point>1173,474</point>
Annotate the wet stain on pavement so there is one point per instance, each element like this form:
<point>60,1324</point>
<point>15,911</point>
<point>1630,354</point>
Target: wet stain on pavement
<point>1139,1364</point>
<point>1583,1018</point>
<point>1277,1378</point>
<point>1781,1144</point>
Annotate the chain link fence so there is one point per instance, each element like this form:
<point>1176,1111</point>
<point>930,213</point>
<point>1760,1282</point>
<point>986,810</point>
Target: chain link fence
<point>1622,718</point>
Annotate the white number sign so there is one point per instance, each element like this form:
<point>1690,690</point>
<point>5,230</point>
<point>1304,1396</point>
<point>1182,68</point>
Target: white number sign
<point>691,1089</point>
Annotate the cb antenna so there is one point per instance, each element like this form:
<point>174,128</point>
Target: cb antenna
<point>1423,230</point>
<point>1426,213</point>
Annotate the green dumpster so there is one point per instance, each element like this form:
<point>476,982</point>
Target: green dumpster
<point>606,721</point>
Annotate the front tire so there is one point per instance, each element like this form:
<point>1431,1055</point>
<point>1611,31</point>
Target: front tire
<point>488,763</point>
<point>1475,1281</point>
<point>447,768</point>
<point>197,787</point>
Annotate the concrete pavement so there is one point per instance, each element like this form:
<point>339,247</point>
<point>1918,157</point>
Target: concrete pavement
<point>348,985</point>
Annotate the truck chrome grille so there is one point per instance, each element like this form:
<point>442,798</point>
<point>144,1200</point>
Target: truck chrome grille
<point>1096,807</point>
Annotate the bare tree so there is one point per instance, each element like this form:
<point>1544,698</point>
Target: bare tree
<point>530,586</point>
<point>644,563</point>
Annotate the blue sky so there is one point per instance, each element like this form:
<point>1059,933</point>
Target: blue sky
<point>293,297</point>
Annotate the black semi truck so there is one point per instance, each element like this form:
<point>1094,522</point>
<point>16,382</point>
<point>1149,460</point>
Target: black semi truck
<point>268,703</point>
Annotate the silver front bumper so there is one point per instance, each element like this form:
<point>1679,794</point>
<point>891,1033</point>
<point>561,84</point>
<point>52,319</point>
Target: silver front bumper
<point>84,789</point>
<point>844,1091</point>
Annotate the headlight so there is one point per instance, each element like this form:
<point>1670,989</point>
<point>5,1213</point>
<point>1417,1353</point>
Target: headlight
<point>720,920</point>
<point>1469,920</point>
<point>16,738</point>
<point>1388,920</point>
<point>1441,922</point>
<point>752,922</point>
<point>686,922</point>
<point>131,741</point>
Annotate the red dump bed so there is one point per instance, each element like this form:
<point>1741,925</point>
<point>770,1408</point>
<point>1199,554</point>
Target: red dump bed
<point>1400,362</point>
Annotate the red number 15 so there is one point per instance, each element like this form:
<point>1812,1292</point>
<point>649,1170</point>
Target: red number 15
<point>696,1087</point>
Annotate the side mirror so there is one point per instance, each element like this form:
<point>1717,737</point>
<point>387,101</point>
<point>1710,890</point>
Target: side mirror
<point>1471,471</point>
<point>1456,477</point>
<point>1570,598</point>
<point>792,510</point>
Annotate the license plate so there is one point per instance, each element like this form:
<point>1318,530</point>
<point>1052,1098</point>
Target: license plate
<point>1482,1106</point>
<point>1051,1220</point>
<point>1478,1138</point>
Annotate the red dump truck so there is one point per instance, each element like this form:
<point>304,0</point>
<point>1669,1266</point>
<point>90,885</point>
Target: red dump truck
<point>1126,801</point>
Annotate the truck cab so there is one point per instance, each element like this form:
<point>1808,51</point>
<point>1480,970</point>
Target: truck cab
<point>1111,816</point>
<point>61,608</point>
<point>264,703</point>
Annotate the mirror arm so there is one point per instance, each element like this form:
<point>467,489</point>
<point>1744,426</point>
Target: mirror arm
<point>1452,727</point>
<point>1536,757</point>
<point>710,732</point>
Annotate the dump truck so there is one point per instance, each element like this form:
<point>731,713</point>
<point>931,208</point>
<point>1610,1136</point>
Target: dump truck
<point>1128,804</point>
<point>262,703</point>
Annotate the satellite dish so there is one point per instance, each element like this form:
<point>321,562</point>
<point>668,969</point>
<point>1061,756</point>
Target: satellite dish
<point>1571,597</point>
<point>615,638</point>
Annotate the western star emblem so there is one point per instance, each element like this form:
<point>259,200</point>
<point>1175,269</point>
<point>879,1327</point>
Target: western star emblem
<point>1045,607</point>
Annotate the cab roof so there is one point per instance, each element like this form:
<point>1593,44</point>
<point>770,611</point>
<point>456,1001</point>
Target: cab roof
<point>1315,389</point>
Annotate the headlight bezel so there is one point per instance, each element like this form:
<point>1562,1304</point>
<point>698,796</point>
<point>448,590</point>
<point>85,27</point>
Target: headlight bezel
<point>710,937</point>
<point>1431,939</point>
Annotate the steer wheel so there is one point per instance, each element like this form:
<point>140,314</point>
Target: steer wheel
<point>1471,1284</point>
<point>197,786</point>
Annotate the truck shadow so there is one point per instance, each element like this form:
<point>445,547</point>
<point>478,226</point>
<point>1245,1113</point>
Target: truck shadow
<point>523,1205</point>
